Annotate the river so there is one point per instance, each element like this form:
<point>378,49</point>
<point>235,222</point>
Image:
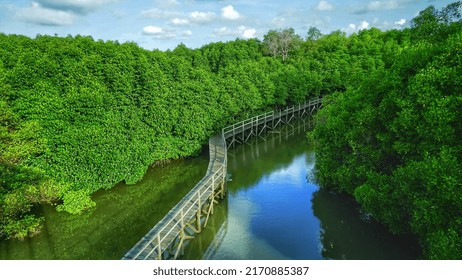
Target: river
<point>274,210</point>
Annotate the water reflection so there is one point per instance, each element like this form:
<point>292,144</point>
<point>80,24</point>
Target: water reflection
<point>122,216</point>
<point>348,233</point>
<point>275,212</point>
<point>271,212</point>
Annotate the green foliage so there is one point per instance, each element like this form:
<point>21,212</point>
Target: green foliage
<point>434,25</point>
<point>393,142</point>
<point>79,115</point>
<point>75,202</point>
<point>313,34</point>
<point>28,225</point>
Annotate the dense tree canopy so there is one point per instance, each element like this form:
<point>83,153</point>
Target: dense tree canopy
<point>393,141</point>
<point>79,115</point>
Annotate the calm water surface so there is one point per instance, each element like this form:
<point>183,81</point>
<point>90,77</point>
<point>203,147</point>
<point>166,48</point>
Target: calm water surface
<point>274,210</point>
<point>123,215</point>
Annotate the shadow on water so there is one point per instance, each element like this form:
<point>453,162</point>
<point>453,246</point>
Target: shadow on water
<point>349,233</point>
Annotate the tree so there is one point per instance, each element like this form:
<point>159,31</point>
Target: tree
<point>432,24</point>
<point>393,143</point>
<point>313,34</point>
<point>280,43</point>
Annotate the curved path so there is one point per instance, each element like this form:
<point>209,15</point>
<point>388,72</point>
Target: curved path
<point>168,237</point>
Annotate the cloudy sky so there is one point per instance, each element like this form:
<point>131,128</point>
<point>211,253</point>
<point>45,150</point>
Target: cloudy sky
<point>163,24</point>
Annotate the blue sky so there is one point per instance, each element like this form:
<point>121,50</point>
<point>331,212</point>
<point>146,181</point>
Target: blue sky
<point>163,24</point>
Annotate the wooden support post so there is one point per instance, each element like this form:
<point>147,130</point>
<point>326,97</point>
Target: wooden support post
<point>234,134</point>
<point>223,191</point>
<point>182,235</point>
<point>251,130</point>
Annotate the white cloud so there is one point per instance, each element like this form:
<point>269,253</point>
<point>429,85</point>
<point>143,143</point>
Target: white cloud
<point>152,30</point>
<point>76,6</point>
<point>58,12</point>
<point>161,33</point>
<point>353,27</point>
<point>363,25</point>
<point>241,31</point>
<point>193,18</point>
<point>38,14</point>
<point>180,21</point>
<point>324,5</point>
<point>230,13</point>
<point>249,33</point>
<point>400,22</point>
<point>201,17</point>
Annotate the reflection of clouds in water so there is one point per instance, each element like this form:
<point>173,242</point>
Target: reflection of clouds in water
<point>310,171</point>
<point>294,174</point>
<point>238,241</point>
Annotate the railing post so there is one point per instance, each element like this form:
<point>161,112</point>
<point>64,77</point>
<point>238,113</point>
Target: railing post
<point>223,179</point>
<point>272,117</point>
<point>256,127</point>
<point>182,220</point>
<point>213,182</point>
<point>199,210</point>
<point>159,247</point>
<point>234,134</point>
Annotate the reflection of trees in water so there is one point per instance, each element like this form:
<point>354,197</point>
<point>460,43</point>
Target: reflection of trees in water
<point>251,161</point>
<point>349,233</point>
<point>248,163</point>
<point>121,218</point>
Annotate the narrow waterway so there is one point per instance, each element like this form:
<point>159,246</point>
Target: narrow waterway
<point>274,210</point>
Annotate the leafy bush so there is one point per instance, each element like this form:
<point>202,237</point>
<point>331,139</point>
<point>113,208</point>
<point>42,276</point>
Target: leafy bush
<point>75,202</point>
<point>394,144</point>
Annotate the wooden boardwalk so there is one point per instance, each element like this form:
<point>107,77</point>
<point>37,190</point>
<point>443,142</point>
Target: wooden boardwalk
<point>242,131</point>
<point>166,240</point>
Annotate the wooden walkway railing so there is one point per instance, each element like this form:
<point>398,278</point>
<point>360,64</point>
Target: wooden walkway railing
<point>168,237</point>
<point>242,131</point>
